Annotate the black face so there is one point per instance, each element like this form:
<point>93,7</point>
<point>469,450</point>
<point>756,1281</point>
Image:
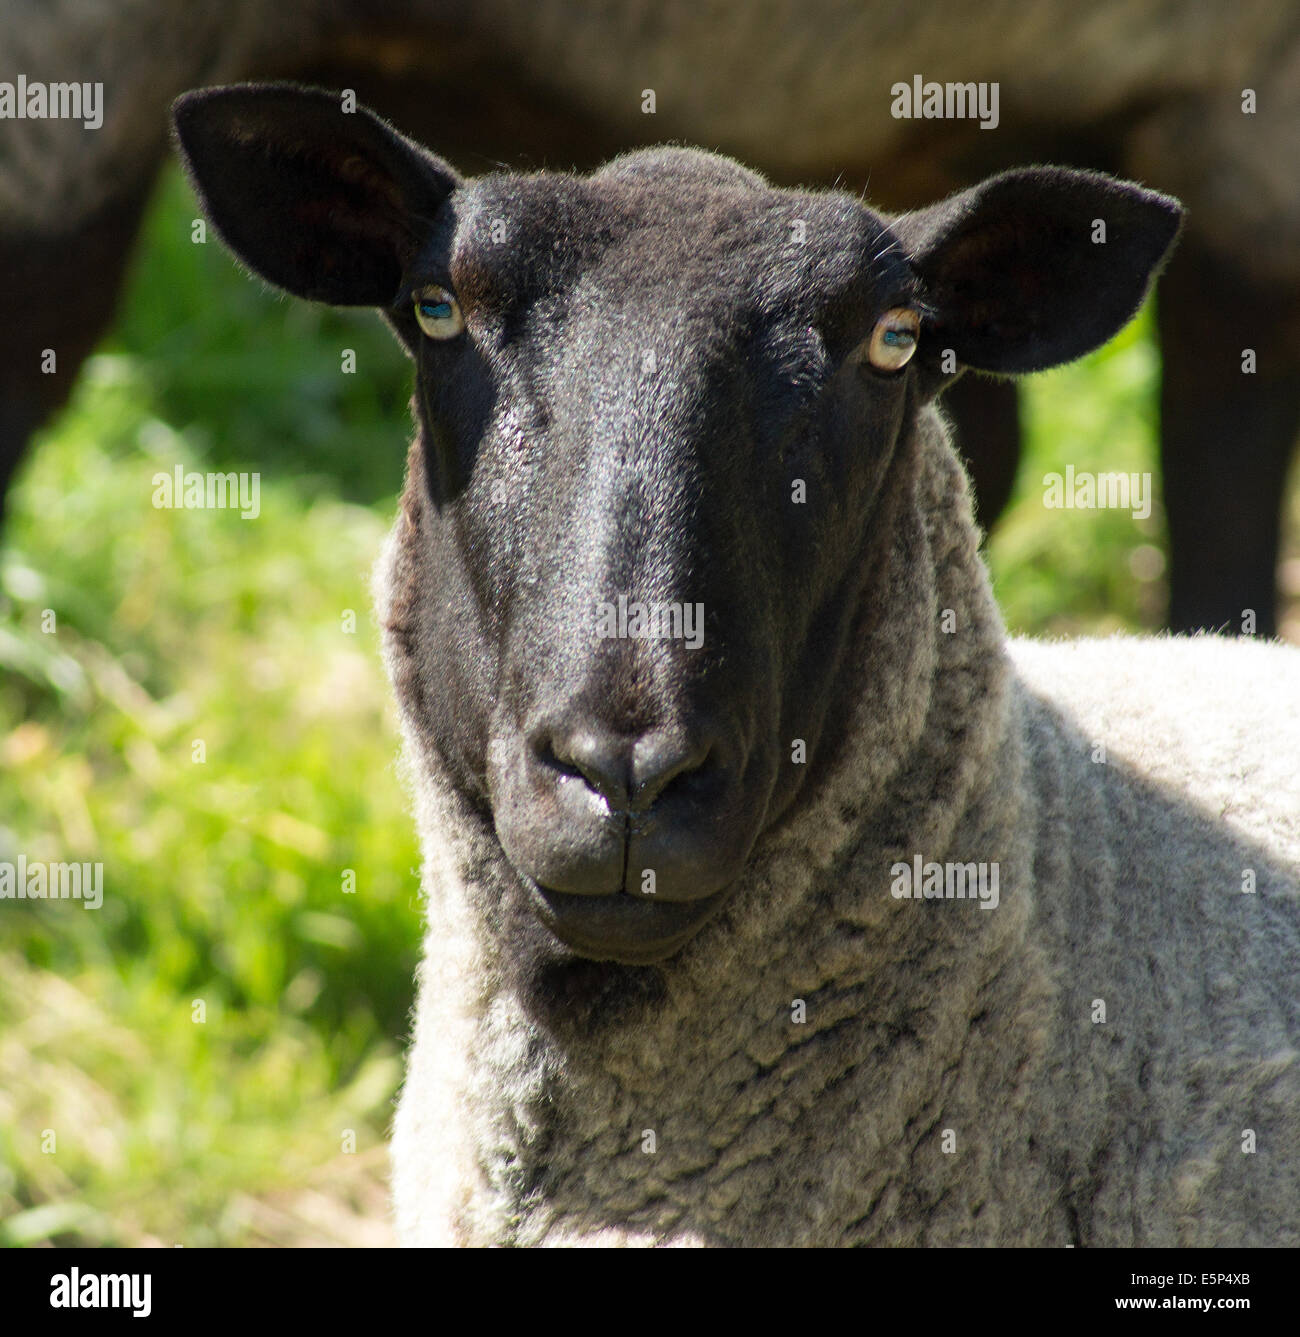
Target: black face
<point>666,415</point>
<point>658,411</point>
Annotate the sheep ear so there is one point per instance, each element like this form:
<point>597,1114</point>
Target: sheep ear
<point>328,204</point>
<point>1037,266</point>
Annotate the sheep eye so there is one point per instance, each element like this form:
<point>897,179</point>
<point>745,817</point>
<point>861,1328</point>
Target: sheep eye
<point>438,313</point>
<point>893,341</point>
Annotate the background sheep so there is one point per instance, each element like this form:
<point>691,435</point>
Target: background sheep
<point>769,1043</point>
<point>1206,103</point>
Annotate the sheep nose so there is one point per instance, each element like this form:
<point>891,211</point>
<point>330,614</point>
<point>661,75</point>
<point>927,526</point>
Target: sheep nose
<point>629,773</point>
<point>598,813</point>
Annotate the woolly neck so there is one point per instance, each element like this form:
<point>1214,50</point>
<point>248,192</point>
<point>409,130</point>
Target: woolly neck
<point>929,764</point>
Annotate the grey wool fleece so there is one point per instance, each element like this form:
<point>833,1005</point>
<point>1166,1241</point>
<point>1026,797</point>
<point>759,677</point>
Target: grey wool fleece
<point>1108,1057</point>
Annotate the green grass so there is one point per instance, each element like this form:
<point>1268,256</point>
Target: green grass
<point>1075,572</point>
<point>224,878</point>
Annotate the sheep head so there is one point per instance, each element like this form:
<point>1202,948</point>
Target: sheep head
<point>666,418</point>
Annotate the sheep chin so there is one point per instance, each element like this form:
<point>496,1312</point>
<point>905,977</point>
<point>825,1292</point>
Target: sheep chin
<point>623,929</point>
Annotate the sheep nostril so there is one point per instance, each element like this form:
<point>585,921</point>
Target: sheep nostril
<point>660,765</point>
<point>547,755</point>
<point>602,762</point>
<point>630,774</point>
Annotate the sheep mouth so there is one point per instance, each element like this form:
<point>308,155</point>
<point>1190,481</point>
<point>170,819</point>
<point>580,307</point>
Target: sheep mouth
<point>631,930</point>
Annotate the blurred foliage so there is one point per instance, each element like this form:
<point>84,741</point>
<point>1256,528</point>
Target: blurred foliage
<point>1077,572</point>
<point>224,879</point>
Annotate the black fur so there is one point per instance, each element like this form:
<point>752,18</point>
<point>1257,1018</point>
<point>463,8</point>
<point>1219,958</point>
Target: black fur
<point>653,355</point>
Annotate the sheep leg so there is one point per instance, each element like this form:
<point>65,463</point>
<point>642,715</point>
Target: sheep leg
<point>60,294</point>
<point>1226,438</point>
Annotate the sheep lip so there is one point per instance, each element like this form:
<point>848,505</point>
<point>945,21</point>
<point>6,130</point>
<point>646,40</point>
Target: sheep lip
<point>631,930</point>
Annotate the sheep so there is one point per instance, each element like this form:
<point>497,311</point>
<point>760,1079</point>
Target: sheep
<point>546,82</point>
<point>860,923</point>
